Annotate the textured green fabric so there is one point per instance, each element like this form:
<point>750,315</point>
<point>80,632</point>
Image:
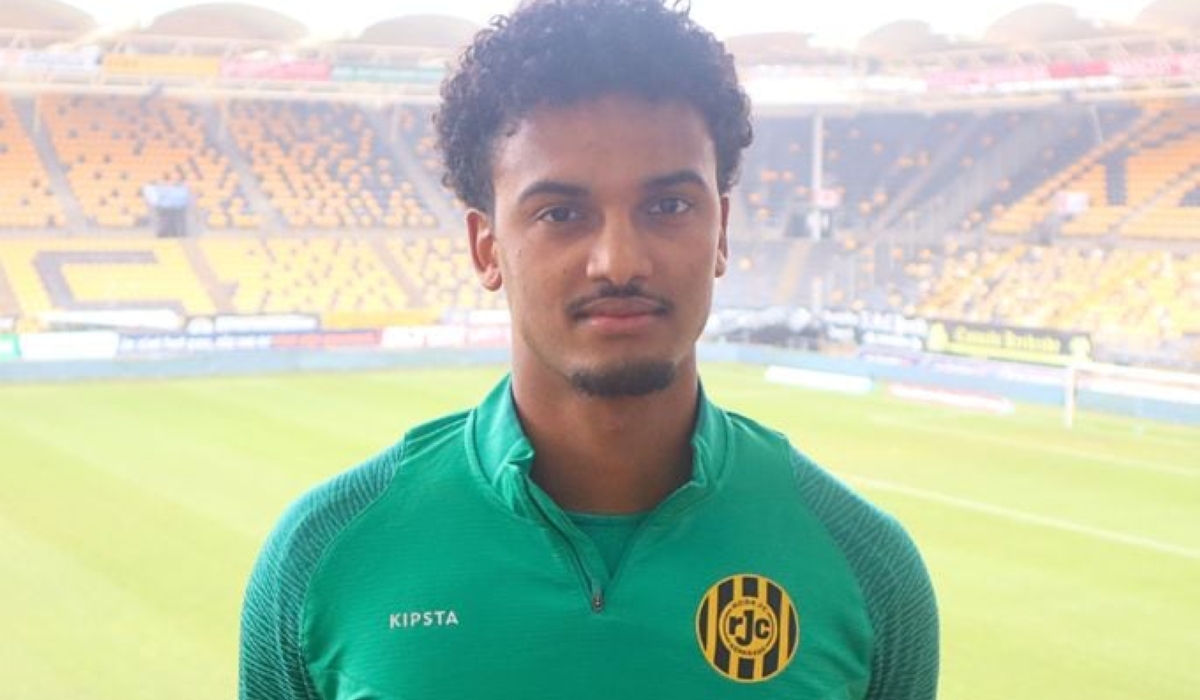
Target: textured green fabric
<point>440,570</point>
<point>899,596</point>
<point>271,663</point>
<point>610,533</point>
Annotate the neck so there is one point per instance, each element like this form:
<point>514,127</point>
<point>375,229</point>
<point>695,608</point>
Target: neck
<point>609,455</point>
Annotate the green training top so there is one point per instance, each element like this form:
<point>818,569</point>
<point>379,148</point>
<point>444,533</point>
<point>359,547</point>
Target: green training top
<point>439,571</point>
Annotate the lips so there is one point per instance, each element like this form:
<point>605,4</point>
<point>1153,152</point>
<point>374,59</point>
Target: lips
<point>623,307</point>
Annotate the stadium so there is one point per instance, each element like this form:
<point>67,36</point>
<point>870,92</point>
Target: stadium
<point>965,276</point>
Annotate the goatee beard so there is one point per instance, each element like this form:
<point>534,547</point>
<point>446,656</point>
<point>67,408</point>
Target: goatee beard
<point>624,381</point>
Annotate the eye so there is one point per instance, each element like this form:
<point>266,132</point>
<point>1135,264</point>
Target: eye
<point>559,215</point>
<point>671,206</point>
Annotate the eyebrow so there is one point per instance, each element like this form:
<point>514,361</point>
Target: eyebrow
<point>551,187</point>
<point>679,177</point>
<point>563,189</point>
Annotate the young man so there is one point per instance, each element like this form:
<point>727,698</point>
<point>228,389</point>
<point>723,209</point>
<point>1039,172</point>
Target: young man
<point>595,528</point>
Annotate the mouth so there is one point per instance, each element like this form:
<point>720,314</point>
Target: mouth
<point>623,307</point>
<point>619,315</point>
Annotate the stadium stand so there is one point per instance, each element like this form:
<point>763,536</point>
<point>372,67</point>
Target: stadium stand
<point>27,200</point>
<point>240,275</point>
<point>1127,178</point>
<point>872,157</point>
<point>1162,173</point>
<point>417,126</point>
<point>874,275</point>
<point>772,174</point>
<point>441,269</point>
<point>319,274</point>
<point>324,166</point>
<point>1059,137</point>
<point>987,194</point>
<point>416,130</point>
<point>883,168</point>
<point>1132,181</point>
<point>763,272</point>
<point>58,274</point>
<point>111,147</point>
<point>1138,297</point>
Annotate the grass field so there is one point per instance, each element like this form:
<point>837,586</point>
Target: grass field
<point>1067,563</point>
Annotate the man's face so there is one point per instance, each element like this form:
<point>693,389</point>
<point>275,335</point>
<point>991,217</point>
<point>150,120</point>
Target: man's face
<point>607,233</point>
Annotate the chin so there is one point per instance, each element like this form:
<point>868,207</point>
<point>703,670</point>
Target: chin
<point>625,380</point>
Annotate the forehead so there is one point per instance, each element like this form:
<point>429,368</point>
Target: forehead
<point>604,142</point>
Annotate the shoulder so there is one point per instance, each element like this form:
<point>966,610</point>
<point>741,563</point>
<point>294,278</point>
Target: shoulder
<point>874,543</point>
<point>870,539</point>
<point>313,521</point>
<point>880,556</point>
<point>851,519</point>
<point>272,660</point>
<point>892,578</point>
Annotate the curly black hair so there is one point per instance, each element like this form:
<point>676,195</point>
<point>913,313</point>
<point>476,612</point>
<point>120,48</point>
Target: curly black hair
<point>560,52</point>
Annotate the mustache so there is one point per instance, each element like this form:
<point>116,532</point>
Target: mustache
<point>578,307</point>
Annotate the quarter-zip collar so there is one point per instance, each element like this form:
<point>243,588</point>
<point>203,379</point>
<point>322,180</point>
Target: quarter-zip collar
<point>503,454</point>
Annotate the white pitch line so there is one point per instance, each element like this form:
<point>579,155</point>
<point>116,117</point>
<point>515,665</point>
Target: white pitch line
<point>1167,440</point>
<point>979,436</point>
<point>1030,518</point>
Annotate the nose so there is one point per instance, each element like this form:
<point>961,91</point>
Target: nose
<point>620,253</point>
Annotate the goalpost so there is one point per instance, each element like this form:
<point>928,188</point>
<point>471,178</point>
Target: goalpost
<point>1149,393</point>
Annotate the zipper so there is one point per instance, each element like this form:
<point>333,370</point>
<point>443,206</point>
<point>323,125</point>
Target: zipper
<point>655,514</point>
<point>591,584</point>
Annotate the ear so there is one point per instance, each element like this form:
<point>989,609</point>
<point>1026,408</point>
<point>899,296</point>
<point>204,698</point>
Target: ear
<point>723,239</point>
<point>484,254</point>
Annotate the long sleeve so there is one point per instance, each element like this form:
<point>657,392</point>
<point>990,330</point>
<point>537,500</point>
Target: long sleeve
<point>904,613</point>
<point>893,582</point>
<point>271,664</point>
<point>272,660</point>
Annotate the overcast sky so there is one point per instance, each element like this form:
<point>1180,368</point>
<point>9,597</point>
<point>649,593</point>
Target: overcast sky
<point>832,22</point>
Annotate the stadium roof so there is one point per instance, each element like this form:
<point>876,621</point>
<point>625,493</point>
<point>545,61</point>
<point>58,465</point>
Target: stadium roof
<point>300,24</point>
<point>901,38</point>
<point>232,20</point>
<point>44,15</point>
<point>775,47</point>
<point>440,31</point>
<point>843,24</point>
<point>1042,22</point>
<point>1170,15</point>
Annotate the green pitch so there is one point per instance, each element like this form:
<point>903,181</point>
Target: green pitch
<point>1067,563</point>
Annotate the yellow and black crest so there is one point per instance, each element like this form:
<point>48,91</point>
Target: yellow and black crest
<point>747,628</point>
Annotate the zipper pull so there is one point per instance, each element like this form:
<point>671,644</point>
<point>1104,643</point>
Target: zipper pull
<point>598,601</point>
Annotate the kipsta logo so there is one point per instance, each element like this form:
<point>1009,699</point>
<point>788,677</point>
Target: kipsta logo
<point>747,628</point>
